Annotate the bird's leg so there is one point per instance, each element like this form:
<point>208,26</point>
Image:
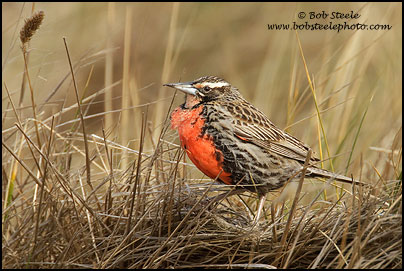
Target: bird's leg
<point>260,207</point>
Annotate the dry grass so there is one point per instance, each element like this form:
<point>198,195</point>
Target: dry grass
<point>79,193</point>
<point>140,221</point>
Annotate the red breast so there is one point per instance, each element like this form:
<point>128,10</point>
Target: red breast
<point>200,149</point>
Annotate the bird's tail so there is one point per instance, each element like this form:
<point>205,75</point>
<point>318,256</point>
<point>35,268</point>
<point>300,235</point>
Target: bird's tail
<point>317,172</point>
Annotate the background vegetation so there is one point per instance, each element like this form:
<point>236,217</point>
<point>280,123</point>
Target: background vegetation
<point>120,193</point>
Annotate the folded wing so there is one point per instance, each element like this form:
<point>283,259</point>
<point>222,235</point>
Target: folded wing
<point>253,126</point>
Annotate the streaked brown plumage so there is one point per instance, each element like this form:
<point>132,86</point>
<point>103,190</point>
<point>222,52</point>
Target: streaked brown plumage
<point>223,133</point>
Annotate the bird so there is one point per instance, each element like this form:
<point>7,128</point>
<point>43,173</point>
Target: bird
<point>233,142</point>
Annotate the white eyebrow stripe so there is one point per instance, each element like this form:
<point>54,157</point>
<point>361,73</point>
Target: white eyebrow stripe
<point>215,85</point>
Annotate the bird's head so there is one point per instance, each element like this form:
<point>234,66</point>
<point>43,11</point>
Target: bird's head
<point>205,89</point>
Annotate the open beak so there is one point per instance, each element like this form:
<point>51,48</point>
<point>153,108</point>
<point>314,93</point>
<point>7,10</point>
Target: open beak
<point>184,87</point>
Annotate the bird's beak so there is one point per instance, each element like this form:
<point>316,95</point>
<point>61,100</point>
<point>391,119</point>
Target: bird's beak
<point>184,87</point>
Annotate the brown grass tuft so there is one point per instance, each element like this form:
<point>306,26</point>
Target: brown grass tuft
<point>31,25</point>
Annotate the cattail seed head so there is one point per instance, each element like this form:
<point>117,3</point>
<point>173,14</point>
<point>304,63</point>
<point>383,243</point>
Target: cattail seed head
<point>31,25</point>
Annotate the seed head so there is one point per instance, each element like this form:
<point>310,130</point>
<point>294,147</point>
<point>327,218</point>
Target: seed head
<point>31,25</point>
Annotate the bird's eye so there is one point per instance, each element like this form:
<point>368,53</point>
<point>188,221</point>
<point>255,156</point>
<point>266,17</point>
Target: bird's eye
<point>206,88</point>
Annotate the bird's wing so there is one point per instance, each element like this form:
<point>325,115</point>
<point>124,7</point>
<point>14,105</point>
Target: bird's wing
<point>253,126</point>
